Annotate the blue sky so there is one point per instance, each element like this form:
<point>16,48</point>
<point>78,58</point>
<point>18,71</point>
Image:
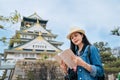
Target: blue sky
<point>96,17</point>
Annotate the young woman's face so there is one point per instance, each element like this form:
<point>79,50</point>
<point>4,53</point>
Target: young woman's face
<point>76,38</point>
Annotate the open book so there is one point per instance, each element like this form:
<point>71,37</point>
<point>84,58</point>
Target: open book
<point>66,56</point>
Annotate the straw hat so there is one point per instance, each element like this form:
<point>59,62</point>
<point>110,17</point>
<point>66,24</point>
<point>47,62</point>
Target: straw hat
<point>75,29</point>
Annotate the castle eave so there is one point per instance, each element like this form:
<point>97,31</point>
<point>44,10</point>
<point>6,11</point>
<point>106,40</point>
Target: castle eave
<point>34,20</point>
<point>26,51</point>
<point>55,42</point>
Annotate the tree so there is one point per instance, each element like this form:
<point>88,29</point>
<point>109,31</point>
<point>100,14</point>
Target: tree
<point>111,63</point>
<point>105,52</point>
<point>13,18</point>
<point>116,31</point>
<point>118,76</point>
<point>3,39</point>
<point>102,46</point>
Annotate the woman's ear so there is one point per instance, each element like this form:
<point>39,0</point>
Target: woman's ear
<point>82,35</point>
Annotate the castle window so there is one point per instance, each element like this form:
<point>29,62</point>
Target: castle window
<point>25,36</point>
<point>25,55</point>
<point>32,36</point>
<point>45,46</point>
<point>17,55</point>
<point>39,50</point>
<point>32,55</point>
<point>30,32</point>
<point>50,50</point>
<point>27,49</point>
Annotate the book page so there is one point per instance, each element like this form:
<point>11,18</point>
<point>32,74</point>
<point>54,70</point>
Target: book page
<point>58,58</point>
<point>66,56</point>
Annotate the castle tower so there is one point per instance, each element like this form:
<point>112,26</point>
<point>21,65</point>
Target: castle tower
<point>32,40</point>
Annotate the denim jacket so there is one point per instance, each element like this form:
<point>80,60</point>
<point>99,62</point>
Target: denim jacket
<point>94,60</point>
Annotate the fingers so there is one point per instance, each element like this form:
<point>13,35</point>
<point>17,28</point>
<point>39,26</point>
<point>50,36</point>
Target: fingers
<point>61,61</point>
<point>73,57</point>
<point>64,67</point>
<point>75,68</point>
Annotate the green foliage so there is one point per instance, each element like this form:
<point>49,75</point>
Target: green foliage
<point>3,39</point>
<point>114,64</point>
<point>30,75</point>
<point>102,46</point>
<point>16,38</point>
<point>105,52</point>
<point>19,77</point>
<point>116,31</point>
<point>45,57</point>
<point>1,27</point>
<point>119,76</point>
<point>107,57</point>
<point>13,18</point>
<point>4,75</point>
<point>111,63</point>
<point>2,18</point>
<point>113,70</point>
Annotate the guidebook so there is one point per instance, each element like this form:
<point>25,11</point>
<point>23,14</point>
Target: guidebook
<point>66,56</point>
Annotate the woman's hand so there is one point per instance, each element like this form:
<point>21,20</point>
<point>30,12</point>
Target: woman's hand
<point>78,60</point>
<point>64,67</point>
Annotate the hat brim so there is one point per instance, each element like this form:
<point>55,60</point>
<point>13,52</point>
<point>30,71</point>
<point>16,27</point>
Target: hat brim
<point>69,35</point>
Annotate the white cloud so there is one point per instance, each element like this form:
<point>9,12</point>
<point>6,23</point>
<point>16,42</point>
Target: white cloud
<point>97,17</point>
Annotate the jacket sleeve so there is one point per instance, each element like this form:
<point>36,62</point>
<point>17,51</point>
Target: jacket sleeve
<point>95,61</point>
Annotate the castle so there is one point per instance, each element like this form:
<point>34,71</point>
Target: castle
<point>32,40</point>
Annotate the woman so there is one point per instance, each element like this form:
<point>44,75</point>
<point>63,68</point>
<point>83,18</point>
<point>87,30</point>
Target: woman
<point>89,65</point>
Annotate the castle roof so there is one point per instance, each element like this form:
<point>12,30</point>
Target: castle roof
<point>34,17</point>
<point>38,44</point>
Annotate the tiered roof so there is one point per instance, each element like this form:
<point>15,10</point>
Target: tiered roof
<point>34,37</point>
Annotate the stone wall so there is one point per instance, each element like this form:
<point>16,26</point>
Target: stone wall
<point>37,70</point>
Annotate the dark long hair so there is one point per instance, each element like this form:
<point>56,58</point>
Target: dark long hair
<point>85,41</point>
